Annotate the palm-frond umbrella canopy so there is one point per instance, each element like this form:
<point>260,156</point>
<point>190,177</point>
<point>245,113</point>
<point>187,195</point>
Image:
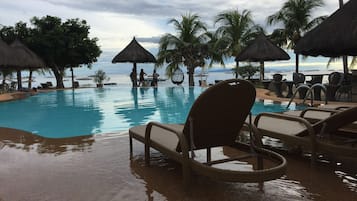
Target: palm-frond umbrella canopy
<point>6,58</point>
<point>25,57</point>
<point>260,50</point>
<point>134,53</point>
<point>335,36</point>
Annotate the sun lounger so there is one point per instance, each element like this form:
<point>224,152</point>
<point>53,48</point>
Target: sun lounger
<point>320,135</point>
<point>214,120</point>
<point>312,114</point>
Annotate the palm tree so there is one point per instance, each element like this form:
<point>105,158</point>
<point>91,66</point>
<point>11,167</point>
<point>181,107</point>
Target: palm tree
<point>296,18</point>
<point>187,48</point>
<point>234,32</point>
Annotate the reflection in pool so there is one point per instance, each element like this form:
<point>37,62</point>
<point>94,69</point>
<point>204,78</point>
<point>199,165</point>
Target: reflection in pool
<point>68,113</point>
<point>99,168</point>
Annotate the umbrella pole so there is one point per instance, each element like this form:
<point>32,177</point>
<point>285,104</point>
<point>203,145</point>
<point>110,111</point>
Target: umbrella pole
<point>72,78</point>
<point>261,70</point>
<point>19,80</point>
<point>345,64</point>
<point>30,79</point>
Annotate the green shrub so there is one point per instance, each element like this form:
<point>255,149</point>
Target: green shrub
<point>247,71</point>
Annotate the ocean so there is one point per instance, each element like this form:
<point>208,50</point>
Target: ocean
<point>119,72</point>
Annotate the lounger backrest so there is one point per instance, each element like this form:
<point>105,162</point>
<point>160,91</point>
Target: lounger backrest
<point>335,78</point>
<point>218,113</point>
<point>298,78</point>
<point>338,120</point>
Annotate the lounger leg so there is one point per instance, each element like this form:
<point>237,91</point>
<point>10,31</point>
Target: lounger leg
<point>130,145</point>
<point>208,154</point>
<point>313,157</point>
<point>186,175</point>
<point>260,162</point>
<point>147,154</point>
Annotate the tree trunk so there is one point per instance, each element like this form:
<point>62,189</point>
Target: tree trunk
<point>59,78</point>
<point>341,3</point>
<point>237,66</point>
<point>30,80</point>
<point>191,81</point>
<point>19,80</point>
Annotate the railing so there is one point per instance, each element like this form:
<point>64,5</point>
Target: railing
<point>309,92</point>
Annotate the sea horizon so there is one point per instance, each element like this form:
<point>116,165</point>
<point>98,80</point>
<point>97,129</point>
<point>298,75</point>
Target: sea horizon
<point>119,72</point>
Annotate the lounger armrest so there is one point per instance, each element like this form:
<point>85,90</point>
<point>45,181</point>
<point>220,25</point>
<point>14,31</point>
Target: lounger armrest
<point>284,117</point>
<point>322,110</point>
<point>178,133</point>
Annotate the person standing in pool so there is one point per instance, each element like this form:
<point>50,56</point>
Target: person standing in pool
<point>155,78</point>
<point>133,78</point>
<point>141,78</point>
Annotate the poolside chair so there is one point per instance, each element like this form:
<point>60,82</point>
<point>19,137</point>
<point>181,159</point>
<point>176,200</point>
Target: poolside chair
<point>313,114</point>
<point>215,119</point>
<point>335,80</point>
<point>277,82</point>
<point>299,79</point>
<point>323,136</point>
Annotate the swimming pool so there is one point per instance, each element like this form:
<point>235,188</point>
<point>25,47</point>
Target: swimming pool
<point>67,113</point>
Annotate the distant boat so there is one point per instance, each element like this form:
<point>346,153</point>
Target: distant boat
<point>149,79</point>
<point>84,78</point>
<point>201,75</point>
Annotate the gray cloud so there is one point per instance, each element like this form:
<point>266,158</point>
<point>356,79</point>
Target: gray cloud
<point>132,7</point>
<point>164,10</point>
<point>153,13</point>
<point>154,39</point>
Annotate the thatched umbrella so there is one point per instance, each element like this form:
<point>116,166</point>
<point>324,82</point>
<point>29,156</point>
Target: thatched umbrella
<point>26,59</point>
<point>6,58</point>
<point>336,36</point>
<point>260,50</point>
<point>134,53</point>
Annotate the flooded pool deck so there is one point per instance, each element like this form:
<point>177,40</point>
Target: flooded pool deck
<point>99,168</point>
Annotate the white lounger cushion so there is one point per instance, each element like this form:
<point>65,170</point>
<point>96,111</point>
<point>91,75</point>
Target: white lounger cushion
<point>282,126</point>
<point>161,136</point>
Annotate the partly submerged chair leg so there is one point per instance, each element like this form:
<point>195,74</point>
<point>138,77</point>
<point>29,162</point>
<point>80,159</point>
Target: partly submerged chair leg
<point>186,173</point>
<point>130,145</point>
<point>260,162</point>
<point>208,154</point>
<point>147,154</point>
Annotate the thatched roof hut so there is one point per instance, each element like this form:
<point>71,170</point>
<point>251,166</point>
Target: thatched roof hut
<point>6,58</point>
<point>18,56</point>
<point>25,57</point>
<point>260,50</point>
<point>134,53</point>
<point>336,36</point>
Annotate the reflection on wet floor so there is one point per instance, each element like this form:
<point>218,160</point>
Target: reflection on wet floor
<point>99,168</point>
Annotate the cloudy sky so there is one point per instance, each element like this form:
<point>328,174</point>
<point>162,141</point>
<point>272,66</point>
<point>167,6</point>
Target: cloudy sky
<point>115,22</point>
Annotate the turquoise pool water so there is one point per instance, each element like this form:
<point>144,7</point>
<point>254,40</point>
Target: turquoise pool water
<point>68,113</point>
